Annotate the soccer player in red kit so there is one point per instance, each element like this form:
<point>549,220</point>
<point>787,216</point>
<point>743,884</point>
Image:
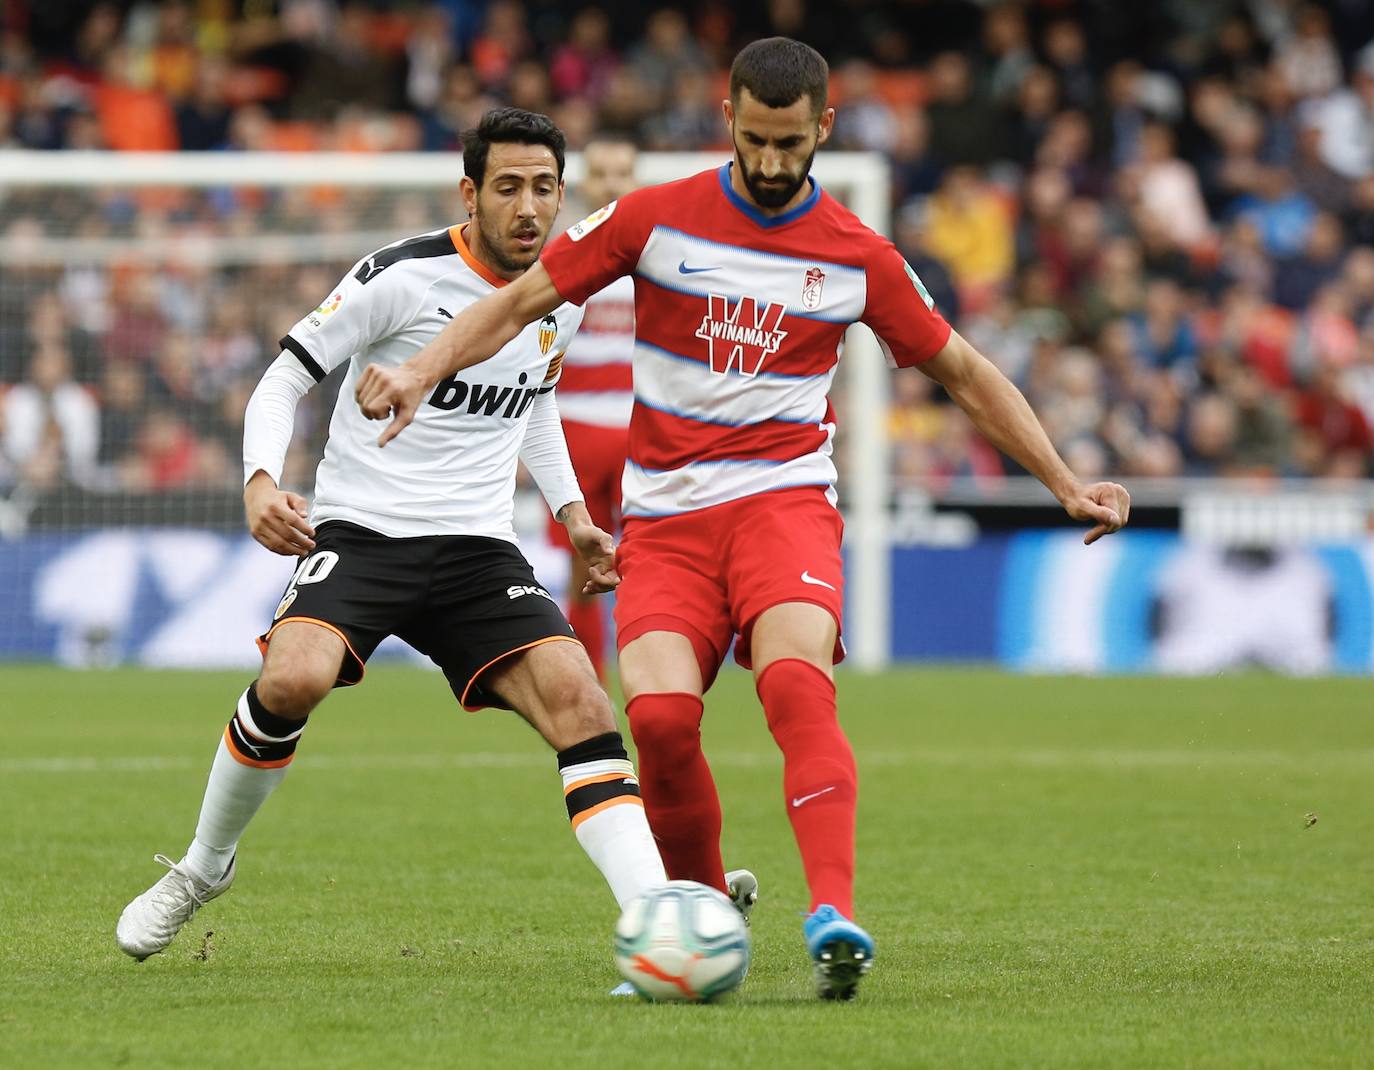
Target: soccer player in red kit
<point>746,278</point>
<point>595,396</point>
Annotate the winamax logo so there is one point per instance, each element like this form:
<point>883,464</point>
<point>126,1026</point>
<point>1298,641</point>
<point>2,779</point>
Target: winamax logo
<point>741,336</point>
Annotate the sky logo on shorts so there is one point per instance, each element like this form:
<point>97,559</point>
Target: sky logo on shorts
<point>520,590</point>
<point>740,337</point>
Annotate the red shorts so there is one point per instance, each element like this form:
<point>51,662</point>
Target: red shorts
<point>710,573</point>
<point>598,458</point>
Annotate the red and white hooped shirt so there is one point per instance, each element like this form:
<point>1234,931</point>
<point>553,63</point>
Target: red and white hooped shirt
<point>739,326</point>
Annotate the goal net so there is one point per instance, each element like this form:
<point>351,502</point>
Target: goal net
<point>141,297</point>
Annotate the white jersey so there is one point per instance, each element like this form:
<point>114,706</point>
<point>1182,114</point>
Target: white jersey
<point>453,470</point>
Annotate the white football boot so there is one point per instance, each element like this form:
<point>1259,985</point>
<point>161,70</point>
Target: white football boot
<point>149,923</point>
<point>744,891</point>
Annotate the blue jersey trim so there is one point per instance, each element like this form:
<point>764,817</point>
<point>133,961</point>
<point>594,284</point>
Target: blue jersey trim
<point>755,214</point>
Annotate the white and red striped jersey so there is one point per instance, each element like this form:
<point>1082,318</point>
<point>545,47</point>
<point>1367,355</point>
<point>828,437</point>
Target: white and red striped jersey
<point>597,386</point>
<point>739,325</point>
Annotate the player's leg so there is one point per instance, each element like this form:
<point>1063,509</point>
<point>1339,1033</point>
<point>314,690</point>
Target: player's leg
<point>251,759</point>
<point>673,628</point>
<point>553,687</point>
<point>662,681</point>
<point>791,649</point>
<point>340,603</point>
<point>787,587</point>
<point>585,615</point>
<point>257,748</point>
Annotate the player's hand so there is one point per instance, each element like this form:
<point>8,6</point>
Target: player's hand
<point>394,392</point>
<point>277,518</point>
<point>597,550</point>
<point>1107,505</point>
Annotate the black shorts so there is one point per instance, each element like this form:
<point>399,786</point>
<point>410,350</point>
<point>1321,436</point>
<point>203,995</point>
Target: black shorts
<point>465,601</point>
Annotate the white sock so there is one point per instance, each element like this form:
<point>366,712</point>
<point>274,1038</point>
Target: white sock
<point>251,760</point>
<point>607,816</point>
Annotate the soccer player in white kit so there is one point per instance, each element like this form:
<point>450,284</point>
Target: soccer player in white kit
<point>417,540</point>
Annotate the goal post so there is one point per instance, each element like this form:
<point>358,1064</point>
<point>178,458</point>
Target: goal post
<point>861,180</point>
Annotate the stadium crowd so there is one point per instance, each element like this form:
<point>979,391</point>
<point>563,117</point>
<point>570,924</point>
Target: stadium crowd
<point>1157,218</point>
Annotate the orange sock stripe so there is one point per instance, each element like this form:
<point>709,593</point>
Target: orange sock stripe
<point>603,778</point>
<point>619,800</point>
<point>243,759</point>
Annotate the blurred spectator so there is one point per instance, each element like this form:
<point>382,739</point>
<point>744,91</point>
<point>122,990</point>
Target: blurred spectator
<point>1345,119</point>
<point>693,120</point>
<point>864,121</point>
<point>1066,51</point>
<point>1308,60</point>
<point>582,65</point>
<point>969,229</point>
<point>503,42</point>
<point>1336,438</point>
<point>1279,213</point>
<point>51,425</point>
<point>1168,188</point>
<point>666,53</point>
<point>1006,46</point>
<point>962,130</point>
<point>1299,277</point>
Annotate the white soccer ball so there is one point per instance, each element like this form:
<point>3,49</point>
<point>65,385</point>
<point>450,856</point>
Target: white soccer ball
<point>682,943</point>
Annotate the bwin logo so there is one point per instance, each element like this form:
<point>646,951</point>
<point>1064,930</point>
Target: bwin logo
<point>520,590</point>
<point>509,402</point>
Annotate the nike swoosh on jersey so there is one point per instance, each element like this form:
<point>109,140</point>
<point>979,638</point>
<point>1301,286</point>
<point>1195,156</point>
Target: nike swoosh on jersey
<point>808,798</point>
<point>808,578</point>
<point>683,269</point>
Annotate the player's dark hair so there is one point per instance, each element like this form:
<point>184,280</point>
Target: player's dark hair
<point>779,71</point>
<point>507,126</point>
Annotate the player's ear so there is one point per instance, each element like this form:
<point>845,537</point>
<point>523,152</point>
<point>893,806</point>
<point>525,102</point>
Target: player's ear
<point>468,188</point>
<point>727,108</point>
<point>827,123</point>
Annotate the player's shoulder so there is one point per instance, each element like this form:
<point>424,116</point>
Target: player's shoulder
<point>421,253</point>
<point>843,225</point>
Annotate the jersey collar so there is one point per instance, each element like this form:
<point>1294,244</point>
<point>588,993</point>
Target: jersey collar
<point>459,238</point>
<point>752,211</point>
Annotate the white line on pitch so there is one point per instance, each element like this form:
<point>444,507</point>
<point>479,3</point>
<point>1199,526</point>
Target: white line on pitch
<point>1102,759</point>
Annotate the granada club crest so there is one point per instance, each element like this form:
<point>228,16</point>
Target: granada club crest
<point>811,289</point>
<point>548,331</point>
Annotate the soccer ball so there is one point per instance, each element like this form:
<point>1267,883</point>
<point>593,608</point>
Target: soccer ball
<point>682,943</point>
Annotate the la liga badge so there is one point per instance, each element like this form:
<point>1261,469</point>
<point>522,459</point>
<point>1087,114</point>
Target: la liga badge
<point>811,289</point>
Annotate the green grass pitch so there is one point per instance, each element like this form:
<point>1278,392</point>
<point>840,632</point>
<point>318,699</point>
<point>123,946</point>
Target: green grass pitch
<point>1058,872</point>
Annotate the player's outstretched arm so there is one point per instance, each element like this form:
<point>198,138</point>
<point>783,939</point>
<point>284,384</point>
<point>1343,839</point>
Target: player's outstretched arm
<point>1004,417</point>
<point>594,546</point>
<point>475,334</point>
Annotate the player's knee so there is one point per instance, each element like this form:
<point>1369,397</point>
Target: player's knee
<point>293,692</point>
<point>666,730</point>
<point>580,706</point>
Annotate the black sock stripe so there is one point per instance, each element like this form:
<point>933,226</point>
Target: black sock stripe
<point>256,749</point>
<point>584,798</point>
<point>609,745</point>
<point>266,720</point>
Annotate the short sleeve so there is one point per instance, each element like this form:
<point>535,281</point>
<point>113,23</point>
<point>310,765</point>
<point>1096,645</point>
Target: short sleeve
<point>593,253</point>
<point>353,316</point>
<point>900,310</point>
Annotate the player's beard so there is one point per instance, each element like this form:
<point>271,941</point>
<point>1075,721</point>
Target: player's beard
<point>773,195</point>
<point>495,240</point>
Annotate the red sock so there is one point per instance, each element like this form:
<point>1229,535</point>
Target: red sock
<point>675,783</point>
<point>818,776</point>
<point>585,617</point>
